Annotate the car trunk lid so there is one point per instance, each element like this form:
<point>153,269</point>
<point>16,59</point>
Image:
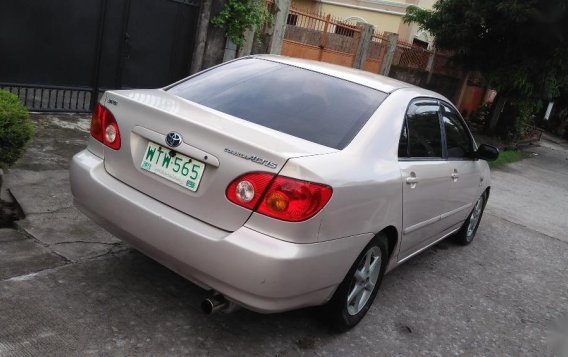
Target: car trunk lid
<point>228,146</point>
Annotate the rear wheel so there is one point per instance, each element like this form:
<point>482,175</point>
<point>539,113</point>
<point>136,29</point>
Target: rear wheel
<point>356,293</point>
<point>467,232</point>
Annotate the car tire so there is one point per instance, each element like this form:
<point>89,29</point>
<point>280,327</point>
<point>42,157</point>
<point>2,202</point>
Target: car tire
<point>467,232</point>
<point>357,291</point>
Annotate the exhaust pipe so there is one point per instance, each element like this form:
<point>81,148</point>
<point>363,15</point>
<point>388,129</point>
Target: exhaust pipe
<point>215,303</point>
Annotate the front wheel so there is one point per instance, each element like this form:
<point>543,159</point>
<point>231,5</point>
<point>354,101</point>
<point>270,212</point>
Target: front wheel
<point>467,232</point>
<point>356,293</point>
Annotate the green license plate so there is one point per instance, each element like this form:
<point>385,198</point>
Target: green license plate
<point>173,166</point>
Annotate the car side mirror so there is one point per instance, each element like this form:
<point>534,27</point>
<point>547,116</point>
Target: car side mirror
<point>487,152</point>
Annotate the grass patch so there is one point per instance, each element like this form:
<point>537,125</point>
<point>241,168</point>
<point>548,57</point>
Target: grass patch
<point>507,157</point>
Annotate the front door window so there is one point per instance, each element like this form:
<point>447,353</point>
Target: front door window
<point>458,140</point>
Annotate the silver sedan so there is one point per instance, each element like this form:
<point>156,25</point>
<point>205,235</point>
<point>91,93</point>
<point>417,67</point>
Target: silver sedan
<point>279,183</point>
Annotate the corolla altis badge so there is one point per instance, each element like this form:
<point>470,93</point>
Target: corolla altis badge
<point>253,158</point>
<point>173,139</point>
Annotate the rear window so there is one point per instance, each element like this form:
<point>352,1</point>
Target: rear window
<point>306,104</point>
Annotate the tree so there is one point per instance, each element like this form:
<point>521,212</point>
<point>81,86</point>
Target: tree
<point>520,46</point>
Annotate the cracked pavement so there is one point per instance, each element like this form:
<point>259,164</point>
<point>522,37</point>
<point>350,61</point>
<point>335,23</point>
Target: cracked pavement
<point>69,288</point>
<point>39,182</point>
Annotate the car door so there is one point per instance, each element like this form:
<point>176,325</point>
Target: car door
<point>425,176</point>
<point>465,174</point>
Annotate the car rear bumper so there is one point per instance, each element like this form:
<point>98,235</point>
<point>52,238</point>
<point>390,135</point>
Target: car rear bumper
<point>250,268</point>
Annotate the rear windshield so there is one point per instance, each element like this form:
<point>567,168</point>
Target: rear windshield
<point>306,104</point>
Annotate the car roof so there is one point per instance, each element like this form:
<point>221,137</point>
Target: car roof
<point>368,79</point>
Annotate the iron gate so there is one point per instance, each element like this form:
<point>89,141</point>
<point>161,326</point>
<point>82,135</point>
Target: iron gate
<point>59,55</point>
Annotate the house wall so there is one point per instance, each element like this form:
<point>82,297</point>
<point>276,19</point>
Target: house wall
<point>384,15</point>
<point>382,22</point>
<point>427,4</point>
<point>305,5</point>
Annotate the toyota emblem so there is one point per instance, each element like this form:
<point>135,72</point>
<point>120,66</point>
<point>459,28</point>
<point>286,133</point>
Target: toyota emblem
<point>173,139</point>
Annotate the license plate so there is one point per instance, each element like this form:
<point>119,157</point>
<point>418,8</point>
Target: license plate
<point>173,166</point>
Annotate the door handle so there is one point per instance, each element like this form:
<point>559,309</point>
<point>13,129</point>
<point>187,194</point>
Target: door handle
<point>455,176</point>
<point>412,180</point>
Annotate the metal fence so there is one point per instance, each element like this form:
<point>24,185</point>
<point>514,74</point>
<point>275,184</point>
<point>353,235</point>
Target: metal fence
<point>411,56</point>
<point>376,53</point>
<point>96,44</point>
<point>320,37</point>
<point>42,98</point>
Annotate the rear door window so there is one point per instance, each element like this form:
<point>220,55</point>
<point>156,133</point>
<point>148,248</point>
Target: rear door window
<point>306,104</point>
<point>421,136</point>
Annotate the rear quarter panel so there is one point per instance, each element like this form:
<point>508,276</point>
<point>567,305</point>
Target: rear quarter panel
<point>366,181</point>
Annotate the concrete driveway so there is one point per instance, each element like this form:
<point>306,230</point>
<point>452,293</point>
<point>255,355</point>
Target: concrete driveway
<point>69,288</point>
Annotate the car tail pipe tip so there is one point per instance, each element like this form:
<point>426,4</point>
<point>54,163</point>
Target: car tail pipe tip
<point>216,303</point>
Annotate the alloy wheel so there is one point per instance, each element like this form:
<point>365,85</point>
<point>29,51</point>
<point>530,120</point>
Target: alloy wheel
<point>364,280</point>
<point>475,216</point>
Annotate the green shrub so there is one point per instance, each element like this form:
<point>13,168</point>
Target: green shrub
<point>240,15</point>
<point>527,110</point>
<point>16,129</point>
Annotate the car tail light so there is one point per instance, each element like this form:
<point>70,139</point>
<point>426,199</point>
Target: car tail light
<point>247,190</point>
<point>104,127</point>
<point>279,197</point>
